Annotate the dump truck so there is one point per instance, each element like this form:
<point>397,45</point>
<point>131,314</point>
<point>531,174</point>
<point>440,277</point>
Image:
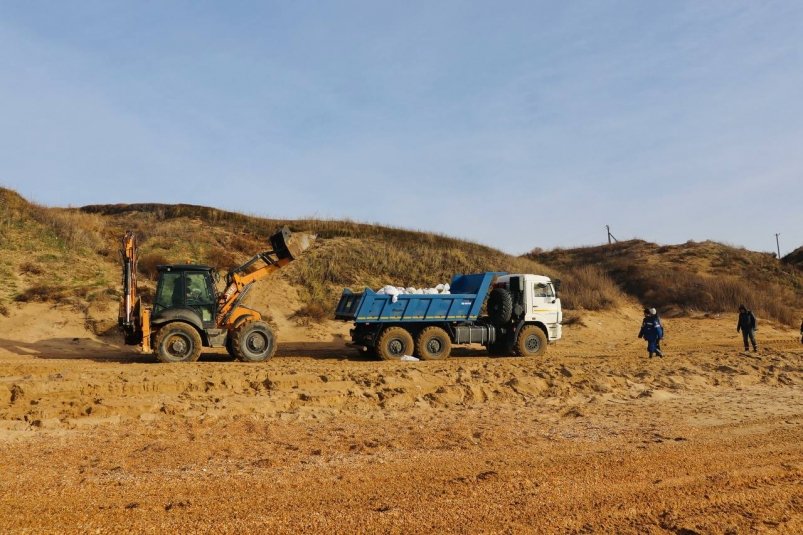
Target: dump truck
<point>188,313</point>
<point>523,316</point>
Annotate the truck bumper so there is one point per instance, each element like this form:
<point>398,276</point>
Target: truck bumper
<point>555,331</point>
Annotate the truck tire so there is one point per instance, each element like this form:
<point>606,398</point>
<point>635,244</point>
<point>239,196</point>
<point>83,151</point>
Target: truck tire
<point>177,342</point>
<point>433,343</point>
<point>253,341</point>
<point>500,306</point>
<point>532,341</point>
<point>394,343</point>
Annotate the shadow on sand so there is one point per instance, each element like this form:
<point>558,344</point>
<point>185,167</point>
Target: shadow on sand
<point>113,351</point>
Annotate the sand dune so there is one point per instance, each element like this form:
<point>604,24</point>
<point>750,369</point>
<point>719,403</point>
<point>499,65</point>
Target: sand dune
<point>592,437</point>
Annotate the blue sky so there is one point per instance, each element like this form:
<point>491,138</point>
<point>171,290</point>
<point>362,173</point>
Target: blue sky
<point>516,124</point>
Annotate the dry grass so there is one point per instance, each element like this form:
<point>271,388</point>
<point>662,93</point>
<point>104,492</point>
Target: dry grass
<point>77,230</point>
<point>795,258</point>
<point>312,312</point>
<point>589,288</point>
<point>31,268</point>
<point>44,293</point>
<point>148,264</point>
<point>571,318</point>
<point>708,277</point>
<point>220,258</point>
<point>346,254</point>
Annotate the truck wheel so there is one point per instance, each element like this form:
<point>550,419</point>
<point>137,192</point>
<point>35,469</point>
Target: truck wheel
<point>502,347</point>
<point>178,342</point>
<point>253,341</point>
<point>500,306</point>
<point>532,341</point>
<point>433,344</point>
<point>394,343</point>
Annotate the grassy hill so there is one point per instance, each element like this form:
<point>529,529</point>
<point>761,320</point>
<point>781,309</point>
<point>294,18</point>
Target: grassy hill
<point>795,258</point>
<point>69,249</point>
<point>53,254</point>
<point>705,276</point>
<point>70,256</point>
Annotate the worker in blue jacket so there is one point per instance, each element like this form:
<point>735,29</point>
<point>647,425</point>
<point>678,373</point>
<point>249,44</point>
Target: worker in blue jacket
<point>652,331</point>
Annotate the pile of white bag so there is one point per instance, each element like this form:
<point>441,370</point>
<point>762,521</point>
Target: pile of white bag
<point>395,291</point>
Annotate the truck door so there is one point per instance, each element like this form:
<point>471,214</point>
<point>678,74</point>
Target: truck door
<point>200,294</point>
<point>541,301</point>
<point>545,307</point>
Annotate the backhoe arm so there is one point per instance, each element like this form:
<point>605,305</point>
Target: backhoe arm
<point>128,300</point>
<point>133,319</point>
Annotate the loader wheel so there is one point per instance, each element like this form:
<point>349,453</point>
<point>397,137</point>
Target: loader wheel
<point>178,342</point>
<point>253,341</point>
<point>532,341</point>
<point>433,344</point>
<point>394,343</point>
<point>500,306</point>
<point>230,347</point>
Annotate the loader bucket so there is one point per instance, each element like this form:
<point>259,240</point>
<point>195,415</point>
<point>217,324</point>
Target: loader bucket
<point>288,245</point>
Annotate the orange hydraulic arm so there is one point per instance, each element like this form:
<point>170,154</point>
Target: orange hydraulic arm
<point>133,318</point>
<point>286,247</point>
<point>128,301</point>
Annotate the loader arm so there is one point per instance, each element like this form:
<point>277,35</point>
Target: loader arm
<point>285,248</point>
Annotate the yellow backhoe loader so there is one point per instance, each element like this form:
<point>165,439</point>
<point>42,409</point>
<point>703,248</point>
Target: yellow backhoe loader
<point>188,313</point>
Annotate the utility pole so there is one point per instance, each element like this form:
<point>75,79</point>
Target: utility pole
<point>610,236</point>
<point>778,244</point>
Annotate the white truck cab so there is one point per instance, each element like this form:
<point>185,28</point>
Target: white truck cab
<point>539,300</point>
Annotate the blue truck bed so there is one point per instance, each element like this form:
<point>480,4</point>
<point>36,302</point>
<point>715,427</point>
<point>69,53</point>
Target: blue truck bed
<point>463,304</point>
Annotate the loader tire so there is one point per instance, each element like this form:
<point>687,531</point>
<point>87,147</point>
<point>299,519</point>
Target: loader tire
<point>433,343</point>
<point>532,341</point>
<point>500,306</point>
<point>253,341</point>
<point>230,347</point>
<point>178,342</point>
<point>394,343</point>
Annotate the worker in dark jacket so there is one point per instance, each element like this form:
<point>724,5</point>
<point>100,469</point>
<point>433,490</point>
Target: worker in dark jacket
<point>652,331</point>
<point>747,325</point>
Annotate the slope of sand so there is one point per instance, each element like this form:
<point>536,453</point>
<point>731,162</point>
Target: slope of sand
<point>593,437</point>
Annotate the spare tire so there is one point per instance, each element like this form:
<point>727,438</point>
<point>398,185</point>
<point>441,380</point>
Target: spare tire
<point>500,306</point>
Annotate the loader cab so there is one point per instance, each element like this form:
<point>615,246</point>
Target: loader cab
<point>187,287</point>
